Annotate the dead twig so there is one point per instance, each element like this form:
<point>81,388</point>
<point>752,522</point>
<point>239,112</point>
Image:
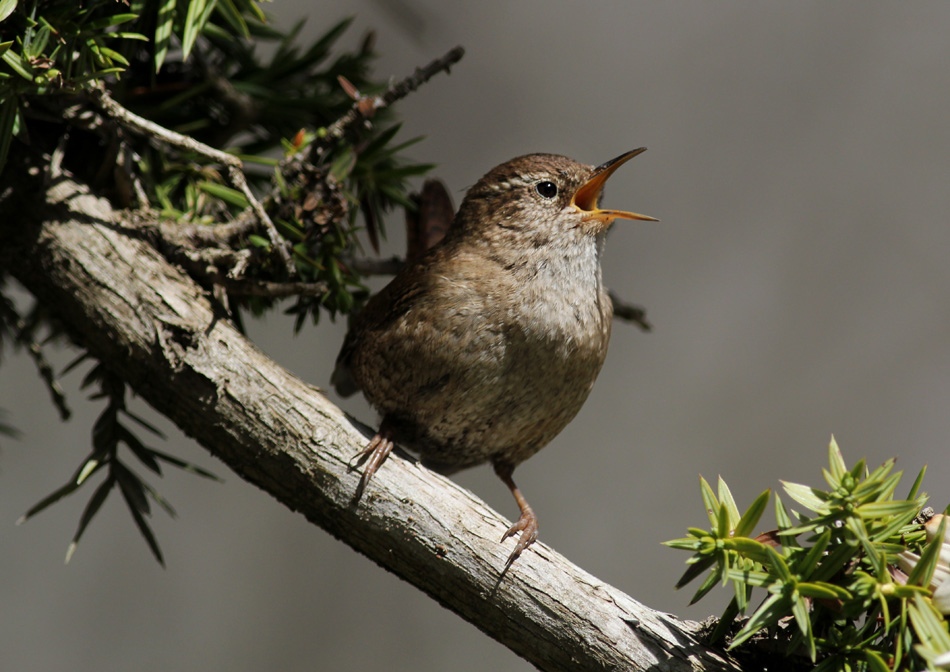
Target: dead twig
<point>629,312</point>
<point>274,290</point>
<point>389,266</point>
<point>234,164</point>
<point>367,106</point>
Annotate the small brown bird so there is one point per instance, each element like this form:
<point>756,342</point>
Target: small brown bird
<point>483,349</point>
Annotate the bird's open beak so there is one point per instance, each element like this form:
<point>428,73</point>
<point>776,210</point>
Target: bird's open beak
<point>586,197</point>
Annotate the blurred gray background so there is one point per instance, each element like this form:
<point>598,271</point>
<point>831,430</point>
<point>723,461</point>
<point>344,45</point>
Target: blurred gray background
<point>799,159</point>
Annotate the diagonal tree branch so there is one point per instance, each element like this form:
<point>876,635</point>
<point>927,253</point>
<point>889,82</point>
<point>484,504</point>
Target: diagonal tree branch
<point>156,328</point>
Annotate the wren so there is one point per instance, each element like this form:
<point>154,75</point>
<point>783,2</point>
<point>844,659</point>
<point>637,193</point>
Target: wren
<point>485,347</point>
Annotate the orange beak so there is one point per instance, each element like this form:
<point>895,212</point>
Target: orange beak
<point>586,197</point>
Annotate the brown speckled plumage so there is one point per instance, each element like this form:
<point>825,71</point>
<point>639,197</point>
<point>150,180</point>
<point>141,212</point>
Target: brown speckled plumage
<point>488,345</point>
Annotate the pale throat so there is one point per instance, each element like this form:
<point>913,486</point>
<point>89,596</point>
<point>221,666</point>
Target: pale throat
<point>564,289</point>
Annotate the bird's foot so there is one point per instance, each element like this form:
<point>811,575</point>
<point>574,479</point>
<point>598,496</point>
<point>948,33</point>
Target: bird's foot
<point>374,454</point>
<point>527,525</point>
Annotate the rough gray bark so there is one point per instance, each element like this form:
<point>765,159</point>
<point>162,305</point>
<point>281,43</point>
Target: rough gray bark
<point>155,327</point>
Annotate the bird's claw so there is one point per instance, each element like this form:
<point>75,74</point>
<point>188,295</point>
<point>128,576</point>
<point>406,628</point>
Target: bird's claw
<point>527,525</point>
<point>376,453</point>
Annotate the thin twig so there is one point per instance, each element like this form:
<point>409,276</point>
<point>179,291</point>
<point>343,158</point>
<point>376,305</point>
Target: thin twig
<point>389,266</point>
<point>271,289</point>
<point>358,112</point>
<point>395,92</point>
<point>629,312</point>
<point>210,235</point>
<point>234,164</point>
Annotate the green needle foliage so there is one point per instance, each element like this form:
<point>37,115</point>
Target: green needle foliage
<point>217,72</point>
<point>109,434</point>
<point>833,592</point>
<point>196,67</point>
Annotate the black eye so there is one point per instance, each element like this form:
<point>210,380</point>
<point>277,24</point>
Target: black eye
<point>547,189</point>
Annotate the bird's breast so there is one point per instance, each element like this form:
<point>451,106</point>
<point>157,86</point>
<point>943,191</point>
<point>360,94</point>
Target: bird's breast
<point>559,298</point>
<point>492,357</point>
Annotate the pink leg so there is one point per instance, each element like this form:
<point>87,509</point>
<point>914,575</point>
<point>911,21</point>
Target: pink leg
<point>527,523</point>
